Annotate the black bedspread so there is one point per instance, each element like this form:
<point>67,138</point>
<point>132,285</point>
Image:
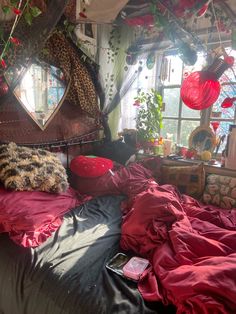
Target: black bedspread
<point>67,273</point>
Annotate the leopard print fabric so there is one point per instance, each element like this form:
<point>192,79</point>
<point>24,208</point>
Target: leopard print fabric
<point>60,52</point>
<point>26,169</point>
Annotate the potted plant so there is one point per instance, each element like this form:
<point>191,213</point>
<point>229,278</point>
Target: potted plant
<point>149,117</point>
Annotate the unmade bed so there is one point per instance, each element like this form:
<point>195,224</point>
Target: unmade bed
<point>67,273</point>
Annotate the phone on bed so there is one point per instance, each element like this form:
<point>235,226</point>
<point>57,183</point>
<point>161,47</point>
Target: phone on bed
<point>128,267</point>
<point>117,263</point>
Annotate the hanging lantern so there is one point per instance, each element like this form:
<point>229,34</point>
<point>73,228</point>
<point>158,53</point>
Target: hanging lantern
<point>201,89</point>
<point>228,102</point>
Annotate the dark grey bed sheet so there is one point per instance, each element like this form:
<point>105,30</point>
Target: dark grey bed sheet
<point>67,273</point>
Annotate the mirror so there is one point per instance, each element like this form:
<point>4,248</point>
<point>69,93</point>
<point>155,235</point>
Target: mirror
<point>40,91</point>
<point>202,138</point>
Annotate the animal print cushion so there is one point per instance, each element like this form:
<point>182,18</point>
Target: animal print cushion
<point>220,191</point>
<point>26,169</point>
<point>189,180</point>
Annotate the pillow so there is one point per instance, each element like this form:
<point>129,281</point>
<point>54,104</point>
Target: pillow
<point>31,217</point>
<point>189,180</point>
<point>90,166</point>
<point>220,191</point>
<point>27,169</point>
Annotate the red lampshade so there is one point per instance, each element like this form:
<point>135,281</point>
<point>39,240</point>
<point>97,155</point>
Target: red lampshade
<point>200,90</point>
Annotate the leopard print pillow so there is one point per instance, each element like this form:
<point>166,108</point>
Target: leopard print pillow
<point>26,169</point>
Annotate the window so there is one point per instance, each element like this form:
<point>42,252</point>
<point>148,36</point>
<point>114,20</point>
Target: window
<point>178,119</point>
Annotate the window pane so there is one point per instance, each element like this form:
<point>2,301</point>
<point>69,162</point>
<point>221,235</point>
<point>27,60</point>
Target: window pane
<point>186,129</point>
<point>170,127</point>
<point>171,100</point>
<point>189,113</point>
<point>171,70</point>
<point>226,91</point>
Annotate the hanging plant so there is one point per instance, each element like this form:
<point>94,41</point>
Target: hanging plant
<point>8,42</point>
<point>149,118</point>
<point>114,43</point>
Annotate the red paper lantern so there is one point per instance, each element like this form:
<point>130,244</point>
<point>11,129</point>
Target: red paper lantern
<point>201,89</point>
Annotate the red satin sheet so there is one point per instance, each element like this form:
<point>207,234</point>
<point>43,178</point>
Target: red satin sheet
<point>31,217</point>
<point>191,247</point>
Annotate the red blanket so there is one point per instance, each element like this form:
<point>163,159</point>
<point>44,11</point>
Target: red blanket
<point>191,247</point>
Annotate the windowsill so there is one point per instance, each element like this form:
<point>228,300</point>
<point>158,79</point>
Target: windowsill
<point>215,168</point>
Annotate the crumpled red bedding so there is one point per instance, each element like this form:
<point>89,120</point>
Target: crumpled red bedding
<point>30,217</point>
<point>191,247</point>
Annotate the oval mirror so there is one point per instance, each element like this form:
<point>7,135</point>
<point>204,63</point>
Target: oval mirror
<point>41,91</point>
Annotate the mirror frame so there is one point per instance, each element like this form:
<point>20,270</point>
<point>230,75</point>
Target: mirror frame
<point>207,130</point>
<point>42,127</point>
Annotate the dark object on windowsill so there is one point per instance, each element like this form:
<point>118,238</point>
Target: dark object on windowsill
<point>174,157</point>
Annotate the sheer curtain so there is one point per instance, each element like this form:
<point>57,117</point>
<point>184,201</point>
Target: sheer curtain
<point>146,79</point>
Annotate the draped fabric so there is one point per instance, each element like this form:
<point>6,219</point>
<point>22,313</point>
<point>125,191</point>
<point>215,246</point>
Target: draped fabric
<point>116,75</point>
<point>61,53</point>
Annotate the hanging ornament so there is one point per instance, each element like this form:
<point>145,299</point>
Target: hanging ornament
<point>215,125</point>
<point>150,61</point>
<point>201,89</point>
<point>131,59</point>
<point>228,102</point>
<point>203,9</point>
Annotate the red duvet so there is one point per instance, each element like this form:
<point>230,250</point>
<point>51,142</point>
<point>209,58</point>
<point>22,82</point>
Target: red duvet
<point>191,247</point>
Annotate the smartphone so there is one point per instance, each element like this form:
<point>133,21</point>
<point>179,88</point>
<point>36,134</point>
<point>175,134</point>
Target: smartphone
<point>127,266</point>
<point>117,263</point>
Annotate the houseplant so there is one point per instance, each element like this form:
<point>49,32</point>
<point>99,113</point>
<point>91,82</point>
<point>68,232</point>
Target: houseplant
<point>149,118</point>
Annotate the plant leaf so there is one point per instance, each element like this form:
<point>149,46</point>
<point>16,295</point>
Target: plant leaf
<point>28,18</point>
<point>5,9</point>
<point>35,11</point>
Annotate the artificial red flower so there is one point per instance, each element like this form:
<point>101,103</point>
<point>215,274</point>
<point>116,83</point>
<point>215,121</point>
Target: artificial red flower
<point>3,64</point>
<point>16,11</point>
<point>15,41</point>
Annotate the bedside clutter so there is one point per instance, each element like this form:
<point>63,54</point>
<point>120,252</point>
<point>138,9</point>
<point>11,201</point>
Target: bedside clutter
<point>209,184</point>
